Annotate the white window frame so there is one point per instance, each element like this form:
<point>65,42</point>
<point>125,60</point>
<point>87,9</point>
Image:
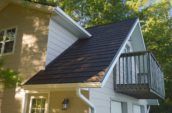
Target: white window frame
<point>124,107</point>
<point>15,36</point>
<point>142,109</point>
<point>38,97</point>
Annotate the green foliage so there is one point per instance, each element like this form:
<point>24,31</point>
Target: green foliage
<point>9,77</point>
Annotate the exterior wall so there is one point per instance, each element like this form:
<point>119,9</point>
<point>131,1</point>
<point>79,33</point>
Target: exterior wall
<point>137,41</point>
<point>30,48</point>
<point>55,99</point>
<point>102,97</point>
<point>58,41</point>
<point>31,40</point>
<point>75,104</point>
<point>45,95</point>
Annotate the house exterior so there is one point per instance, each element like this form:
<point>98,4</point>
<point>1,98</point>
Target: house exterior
<point>69,69</point>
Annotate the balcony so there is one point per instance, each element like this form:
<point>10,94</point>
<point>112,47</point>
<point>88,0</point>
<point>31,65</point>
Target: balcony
<point>139,75</point>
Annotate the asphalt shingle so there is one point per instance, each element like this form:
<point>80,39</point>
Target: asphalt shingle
<point>88,59</point>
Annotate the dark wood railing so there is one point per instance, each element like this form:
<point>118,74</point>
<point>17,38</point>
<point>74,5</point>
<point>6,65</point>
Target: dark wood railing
<point>138,74</point>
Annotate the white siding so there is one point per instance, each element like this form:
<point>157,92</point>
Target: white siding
<point>102,97</point>
<point>59,39</point>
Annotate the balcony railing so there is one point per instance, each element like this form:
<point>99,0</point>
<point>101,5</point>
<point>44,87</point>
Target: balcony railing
<point>138,74</point>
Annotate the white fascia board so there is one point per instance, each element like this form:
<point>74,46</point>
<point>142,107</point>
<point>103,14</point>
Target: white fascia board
<point>111,67</point>
<point>67,18</point>
<point>152,102</point>
<point>62,86</point>
<point>142,36</point>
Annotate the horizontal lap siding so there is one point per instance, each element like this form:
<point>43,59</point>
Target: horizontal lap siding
<point>59,39</point>
<point>101,97</point>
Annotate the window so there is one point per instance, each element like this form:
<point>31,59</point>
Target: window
<point>138,109</point>
<point>127,49</point>
<point>38,105</point>
<point>7,40</point>
<point>118,107</point>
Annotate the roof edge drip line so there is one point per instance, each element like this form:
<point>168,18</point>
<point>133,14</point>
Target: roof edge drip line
<point>61,13</point>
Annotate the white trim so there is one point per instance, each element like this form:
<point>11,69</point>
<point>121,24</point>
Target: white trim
<point>152,102</point>
<point>148,109</point>
<point>15,39</point>
<point>111,67</point>
<point>38,97</point>
<point>138,105</point>
<point>62,14</point>
<point>61,86</point>
<point>87,101</point>
<point>142,35</point>
<point>48,101</point>
<point>121,103</point>
<point>24,103</point>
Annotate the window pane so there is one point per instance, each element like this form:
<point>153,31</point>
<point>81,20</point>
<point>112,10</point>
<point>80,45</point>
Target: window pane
<point>10,34</point>
<point>39,104</point>
<point>137,109</point>
<point>8,47</point>
<point>42,111</point>
<point>33,103</point>
<point>43,103</point>
<point>116,107</point>
<point>33,111</point>
<point>0,47</point>
<point>1,36</point>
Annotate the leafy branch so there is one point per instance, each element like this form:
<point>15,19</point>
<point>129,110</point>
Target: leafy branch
<point>9,77</point>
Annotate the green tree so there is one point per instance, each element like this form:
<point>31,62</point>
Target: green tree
<point>157,30</point>
<point>8,77</point>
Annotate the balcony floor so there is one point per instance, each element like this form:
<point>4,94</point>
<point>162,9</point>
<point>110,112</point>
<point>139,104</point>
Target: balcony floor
<point>139,91</point>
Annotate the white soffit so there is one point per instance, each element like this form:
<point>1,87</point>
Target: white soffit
<point>152,102</point>
<point>63,19</point>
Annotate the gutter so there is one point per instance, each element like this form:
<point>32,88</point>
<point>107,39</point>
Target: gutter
<point>84,99</point>
<point>148,109</point>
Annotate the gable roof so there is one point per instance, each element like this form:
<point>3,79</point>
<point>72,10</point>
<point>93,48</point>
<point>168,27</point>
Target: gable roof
<point>87,60</point>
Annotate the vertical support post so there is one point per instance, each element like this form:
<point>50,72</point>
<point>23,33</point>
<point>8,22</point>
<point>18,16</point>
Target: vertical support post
<point>149,69</point>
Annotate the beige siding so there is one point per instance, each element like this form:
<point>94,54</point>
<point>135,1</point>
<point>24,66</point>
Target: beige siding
<point>75,104</point>
<point>59,39</point>
<point>31,41</point>
<point>30,49</point>
<point>55,99</point>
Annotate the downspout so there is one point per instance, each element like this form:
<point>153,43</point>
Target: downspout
<point>84,99</point>
<point>148,109</point>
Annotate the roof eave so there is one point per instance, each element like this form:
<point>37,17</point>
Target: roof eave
<point>82,32</point>
<point>61,86</point>
<point>152,102</point>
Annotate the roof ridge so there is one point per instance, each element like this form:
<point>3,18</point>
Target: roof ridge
<point>121,21</point>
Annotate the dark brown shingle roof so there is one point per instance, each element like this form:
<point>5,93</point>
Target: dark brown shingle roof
<point>88,59</point>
